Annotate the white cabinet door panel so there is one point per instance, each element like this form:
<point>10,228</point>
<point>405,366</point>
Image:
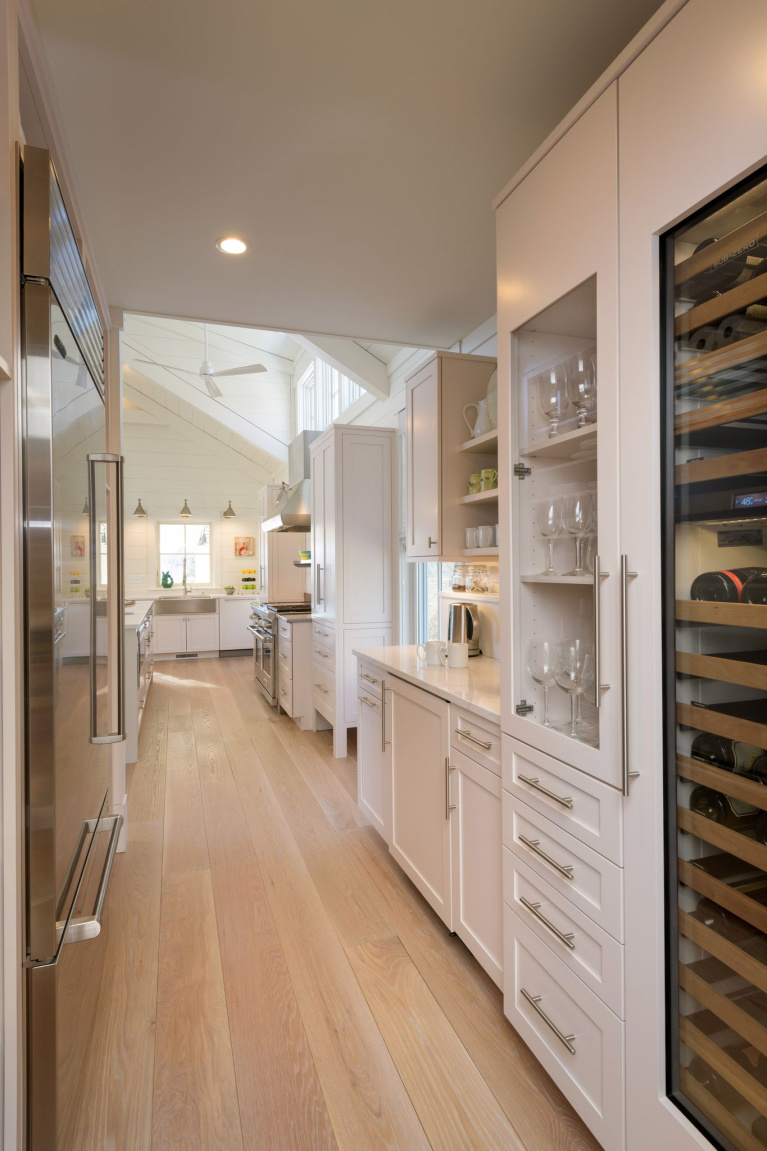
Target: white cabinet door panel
<point>169,634</point>
<point>202,632</point>
<point>366,502</point>
<point>423,463</point>
<point>374,760</point>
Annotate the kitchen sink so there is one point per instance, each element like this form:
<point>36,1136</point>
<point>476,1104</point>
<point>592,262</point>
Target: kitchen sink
<point>184,605</point>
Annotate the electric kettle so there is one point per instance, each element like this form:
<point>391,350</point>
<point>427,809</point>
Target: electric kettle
<point>463,626</point>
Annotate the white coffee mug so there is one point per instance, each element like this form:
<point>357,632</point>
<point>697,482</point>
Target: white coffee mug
<point>457,655</point>
<point>433,652</point>
<point>486,535</point>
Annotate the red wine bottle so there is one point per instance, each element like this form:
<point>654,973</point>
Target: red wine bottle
<point>723,809</point>
<point>713,749</point>
<point>723,586</point>
<point>755,588</point>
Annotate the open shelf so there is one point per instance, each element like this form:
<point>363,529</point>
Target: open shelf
<point>725,895</point>
<point>730,614</point>
<point>720,779</point>
<point>302,563</point>
<point>720,723</point>
<point>489,497</point>
<point>486,444</point>
<point>721,948</point>
<point>567,446</point>
<point>538,577</point>
<point>479,552</point>
<point>747,669</point>
<point>749,850</point>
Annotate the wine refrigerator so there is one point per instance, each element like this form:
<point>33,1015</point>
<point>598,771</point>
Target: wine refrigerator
<point>714,323</point>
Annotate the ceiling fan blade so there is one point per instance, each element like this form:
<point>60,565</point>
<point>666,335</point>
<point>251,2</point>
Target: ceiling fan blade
<point>247,370</point>
<point>170,367</point>
<point>213,390</point>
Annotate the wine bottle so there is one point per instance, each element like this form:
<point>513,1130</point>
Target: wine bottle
<point>713,749</point>
<point>723,586</point>
<point>755,588</point>
<point>733,813</point>
<point>736,267</point>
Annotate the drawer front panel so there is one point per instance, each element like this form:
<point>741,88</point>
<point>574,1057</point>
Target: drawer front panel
<point>588,951</point>
<point>478,738</point>
<point>586,1058</point>
<point>284,630</point>
<point>323,655</point>
<point>285,693</point>
<point>285,661</point>
<point>585,807</point>
<point>587,879</point>
<point>369,679</point>
<point>323,633</point>
<point>324,692</point>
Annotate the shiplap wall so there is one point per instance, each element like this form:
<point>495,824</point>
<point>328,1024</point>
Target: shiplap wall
<point>164,468</point>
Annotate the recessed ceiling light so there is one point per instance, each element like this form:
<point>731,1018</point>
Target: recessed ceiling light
<point>232,245</point>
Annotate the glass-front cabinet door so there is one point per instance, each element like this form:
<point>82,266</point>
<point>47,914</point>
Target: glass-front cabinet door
<point>715,608</point>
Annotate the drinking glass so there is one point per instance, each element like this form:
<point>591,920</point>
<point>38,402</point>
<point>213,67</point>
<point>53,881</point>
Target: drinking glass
<point>552,399</point>
<point>548,520</point>
<point>577,519</point>
<point>574,672</point>
<point>581,384</point>
<point>540,666</point>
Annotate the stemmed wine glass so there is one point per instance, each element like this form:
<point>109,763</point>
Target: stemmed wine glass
<point>540,666</point>
<point>581,385</point>
<point>574,672</point>
<point>548,520</point>
<point>577,518</point>
<point>552,399</point>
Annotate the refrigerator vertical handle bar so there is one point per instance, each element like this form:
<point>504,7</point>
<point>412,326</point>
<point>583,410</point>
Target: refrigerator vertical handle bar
<point>626,575</point>
<point>115,595</point>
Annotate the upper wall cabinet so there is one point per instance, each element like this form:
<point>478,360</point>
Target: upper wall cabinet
<point>451,435</point>
<point>558,409</point>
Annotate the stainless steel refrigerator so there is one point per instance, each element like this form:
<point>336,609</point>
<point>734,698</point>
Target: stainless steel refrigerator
<point>72,519</point>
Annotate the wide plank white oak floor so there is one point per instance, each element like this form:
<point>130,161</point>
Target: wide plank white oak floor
<point>271,978</point>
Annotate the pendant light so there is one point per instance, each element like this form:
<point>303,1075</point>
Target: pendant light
<point>230,513</point>
<point>140,511</point>
<point>86,508</point>
<point>185,512</point>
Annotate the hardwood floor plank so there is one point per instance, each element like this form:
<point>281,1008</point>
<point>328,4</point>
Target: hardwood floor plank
<point>280,1098</point>
<point>341,810</point>
<point>186,847</point>
<point>453,1102</point>
<point>212,760</point>
<point>368,1104</point>
<point>195,1094</point>
<point>118,1115</point>
<point>540,1114</point>
<point>146,796</point>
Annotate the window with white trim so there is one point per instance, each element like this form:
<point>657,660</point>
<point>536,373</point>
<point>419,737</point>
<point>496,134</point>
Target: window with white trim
<point>178,543</point>
<point>322,394</point>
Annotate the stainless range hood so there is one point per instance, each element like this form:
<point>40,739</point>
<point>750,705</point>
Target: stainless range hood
<point>293,512</point>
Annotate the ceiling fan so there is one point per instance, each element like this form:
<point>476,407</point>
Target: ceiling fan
<point>206,372</point>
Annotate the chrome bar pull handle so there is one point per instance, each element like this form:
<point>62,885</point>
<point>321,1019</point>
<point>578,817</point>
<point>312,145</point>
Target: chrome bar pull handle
<point>534,909</point>
<point>448,805</point>
<point>432,543</point>
<point>363,675</point>
<point>367,702</point>
<point>565,800</point>
<point>317,569</point>
<point>599,687</point>
<point>115,595</point>
<point>626,575</point>
<point>534,1001</point>
<point>564,869</point>
<point>473,738</point>
<point>384,740</point>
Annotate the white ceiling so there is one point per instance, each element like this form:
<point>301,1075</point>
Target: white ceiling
<point>356,146</point>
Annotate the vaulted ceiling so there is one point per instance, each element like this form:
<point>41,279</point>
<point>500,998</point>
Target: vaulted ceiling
<point>356,146</point>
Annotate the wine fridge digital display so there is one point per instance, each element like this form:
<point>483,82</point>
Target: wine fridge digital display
<point>714,272</point>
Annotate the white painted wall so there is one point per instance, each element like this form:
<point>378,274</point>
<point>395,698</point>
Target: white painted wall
<point>164,468</point>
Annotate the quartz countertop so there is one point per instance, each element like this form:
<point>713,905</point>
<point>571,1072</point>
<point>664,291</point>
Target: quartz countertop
<point>477,687</point>
<point>136,613</point>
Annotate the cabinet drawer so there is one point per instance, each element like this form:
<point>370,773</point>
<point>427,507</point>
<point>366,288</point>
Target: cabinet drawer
<point>478,738</point>
<point>579,804</point>
<point>323,655</point>
<point>284,630</point>
<point>324,634</point>
<point>285,661</point>
<point>587,950</point>
<point>285,693</point>
<point>369,679</point>
<point>324,692</point>
<point>582,875</point>
<point>586,1058</point>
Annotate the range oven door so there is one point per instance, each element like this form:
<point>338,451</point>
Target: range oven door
<point>263,658</point>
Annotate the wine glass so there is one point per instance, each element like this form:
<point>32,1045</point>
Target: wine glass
<point>552,400</point>
<point>581,384</point>
<point>548,520</point>
<point>574,672</point>
<point>577,518</point>
<point>540,666</point>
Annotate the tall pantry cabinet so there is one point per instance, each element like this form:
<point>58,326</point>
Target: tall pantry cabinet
<point>637,980</point>
<point>352,565</point>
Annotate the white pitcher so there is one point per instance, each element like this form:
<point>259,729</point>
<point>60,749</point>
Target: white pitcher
<point>482,422</point>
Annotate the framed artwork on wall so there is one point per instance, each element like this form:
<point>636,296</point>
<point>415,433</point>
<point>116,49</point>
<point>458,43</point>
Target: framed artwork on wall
<point>244,545</point>
<point>78,546</point>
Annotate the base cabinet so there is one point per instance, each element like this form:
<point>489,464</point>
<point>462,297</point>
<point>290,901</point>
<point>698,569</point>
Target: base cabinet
<point>175,634</point>
<point>233,621</point>
<point>374,760</point>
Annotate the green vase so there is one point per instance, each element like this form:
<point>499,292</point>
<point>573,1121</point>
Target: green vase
<point>167,579</point>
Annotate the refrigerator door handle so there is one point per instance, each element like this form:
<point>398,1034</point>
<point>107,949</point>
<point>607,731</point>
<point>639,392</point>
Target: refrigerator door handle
<point>89,926</point>
<point>115,595</point>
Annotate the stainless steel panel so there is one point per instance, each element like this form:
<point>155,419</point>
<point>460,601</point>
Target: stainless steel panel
<point>193,605</point>
<point>105,500</point>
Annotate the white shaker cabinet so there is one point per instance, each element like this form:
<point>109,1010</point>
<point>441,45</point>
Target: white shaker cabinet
<point>352,562</point>
<point>422,793</point>
<point>374,754</point>
<point>179,634</point>
<point>234,617</point>
<point>279,580</point>
<point>169,634</point>
<point>202,632</point>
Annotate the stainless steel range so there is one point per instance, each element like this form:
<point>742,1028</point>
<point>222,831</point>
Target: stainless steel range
<point>263,625</point>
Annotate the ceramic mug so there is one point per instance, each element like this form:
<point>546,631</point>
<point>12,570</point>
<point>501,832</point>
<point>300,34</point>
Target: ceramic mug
<point>474,481</point>
<point>488,479</point>
<point>433,652</point>
<point>472,539</point>
<point>457,655</point>
<point>486,535</point>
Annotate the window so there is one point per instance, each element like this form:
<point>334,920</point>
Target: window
<point>103,556</point>
<point>178,543</point>
<point>432,579</point>
<point>322,394</point>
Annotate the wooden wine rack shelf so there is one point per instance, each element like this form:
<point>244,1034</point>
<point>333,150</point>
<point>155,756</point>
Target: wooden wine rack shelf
<point>721,668</point>
<point>750,850</point>
<point>723,359</point>
<point>718,723</point>
<point>722,467</point>
<point>715,944</point>
<point>724,1008</point>
<point>731,614</point>
<point>738,1077</point>
<point>726,896</point>
<point>721,1115</point>
<point>735,300</point>
<point>727,782</point>
<point>725,412</point>
<point>737,241</point>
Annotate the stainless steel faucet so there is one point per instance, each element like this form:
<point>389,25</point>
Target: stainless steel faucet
<point>185,588</point>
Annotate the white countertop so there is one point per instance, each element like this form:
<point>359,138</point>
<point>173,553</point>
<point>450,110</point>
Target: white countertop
<point>477,687</point>
<point>136,613</point>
